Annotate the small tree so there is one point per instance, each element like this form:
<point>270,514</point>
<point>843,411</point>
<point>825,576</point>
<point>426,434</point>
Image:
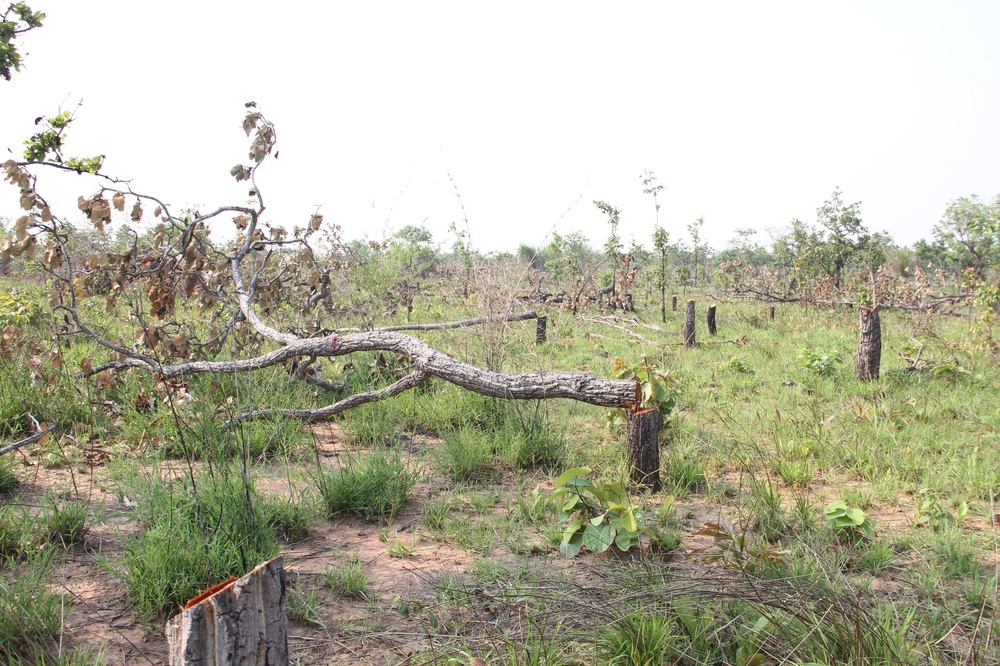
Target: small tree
<point>694,230</point>
<point>661,238</point>
<point>661,243</point>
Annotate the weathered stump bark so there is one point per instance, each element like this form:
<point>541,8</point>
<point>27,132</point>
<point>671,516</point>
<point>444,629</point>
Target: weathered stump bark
<point>710,319</point>
<point>644,447</point>
<point>673,303</point>
<point>241,624</point>
<point>688,330</point>
<point>866,364</point>
<point>540,330</point>
<point>772,313</point>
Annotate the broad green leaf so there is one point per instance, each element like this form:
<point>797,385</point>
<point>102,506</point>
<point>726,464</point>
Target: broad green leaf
<point>572,529</point>
<point>833,506</point>
<point>856,515</point>
<point>598,539</point>
<point>571,547</point>
<point>628,520</point>
<point>624,540</point>
<point>570,474</point>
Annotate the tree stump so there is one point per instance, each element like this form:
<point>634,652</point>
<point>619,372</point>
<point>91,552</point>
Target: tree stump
<point>540,326</point>
<point>866,363</point>
<point>772,313</point>
<point>673,303</point>
<point>688,330</point>
<point>238,623</point>
<point>644,447</point>
<point>710,319</point>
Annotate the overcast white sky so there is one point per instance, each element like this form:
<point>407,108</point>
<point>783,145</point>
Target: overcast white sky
<point>749,112</point>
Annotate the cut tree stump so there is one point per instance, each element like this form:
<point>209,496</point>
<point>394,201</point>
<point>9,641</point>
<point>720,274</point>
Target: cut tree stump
<point>541,324</point>
<point>240,623</point>
<point>673,303</point>
<point>644,447</point>
<point>688,330</point>
<point>866,363</point>
<point>772,313</point>
<point>710,319</point>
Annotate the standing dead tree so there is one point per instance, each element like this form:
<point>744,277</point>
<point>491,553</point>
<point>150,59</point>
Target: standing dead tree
<point>249,293</point>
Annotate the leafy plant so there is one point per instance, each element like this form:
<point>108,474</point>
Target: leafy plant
<point>598,514</point>
<point>658,389</point>
<point>737,365</point>
<point>930,512</point>
<point>822,363</point>
<point>738,550</point>
<point>851,521</point>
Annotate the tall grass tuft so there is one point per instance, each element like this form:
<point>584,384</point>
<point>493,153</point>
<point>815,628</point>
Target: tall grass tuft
<point>374,487</point>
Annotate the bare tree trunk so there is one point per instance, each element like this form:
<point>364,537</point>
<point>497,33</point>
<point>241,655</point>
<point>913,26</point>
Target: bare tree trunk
<point>688,331</point>
<point>673,304</point>
<point>242,624</point>
<point>710,319</point>
<point>866,364</point>
<point>644,447</point>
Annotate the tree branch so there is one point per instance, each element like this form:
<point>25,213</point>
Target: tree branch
<point>411,380</point>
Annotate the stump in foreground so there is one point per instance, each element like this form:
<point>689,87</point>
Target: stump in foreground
<point>866,364</point>
<point>239,622</point>
<point>644,447</point>
<point>710,319</point>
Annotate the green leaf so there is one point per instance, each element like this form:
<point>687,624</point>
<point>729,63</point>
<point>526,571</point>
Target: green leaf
<point>628,520</point>
<point>572,529</point>
<point>857,515</point>
<point>598,539</point>
<point>572,547</point>
<point>626,540</point>
<point>834,506</point>
<point>571,474</point>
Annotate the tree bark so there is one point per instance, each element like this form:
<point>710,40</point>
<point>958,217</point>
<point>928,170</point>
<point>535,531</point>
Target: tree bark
<point>772,313</point>
<point>866,363</point>
<point>242,624</point>
<point>541,323</point>
<point>673,304</point>
<point>688,331</point>
<point>644,447</point>
<point>710,319</point>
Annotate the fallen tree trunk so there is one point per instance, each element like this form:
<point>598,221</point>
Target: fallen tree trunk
<point>448,325</point>
<point>599,391</point>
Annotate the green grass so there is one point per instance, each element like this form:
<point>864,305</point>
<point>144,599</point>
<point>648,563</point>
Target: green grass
<point>346,578</point>
<point>374,487</point>
<point>192,537</point>
<point>30,614</point>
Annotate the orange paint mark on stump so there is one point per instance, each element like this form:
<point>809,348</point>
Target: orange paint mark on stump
<point>209,592</point>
